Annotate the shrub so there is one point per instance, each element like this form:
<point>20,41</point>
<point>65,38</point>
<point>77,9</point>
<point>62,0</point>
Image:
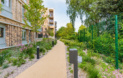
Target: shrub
<point>120,50</point>
<point>89,59</point>
<point>47,46</point>
<point>81,53</point>
<point>93,73</point>
<point>55,42</point>
<point>21,61</point>
<point>102,44</point>
<point>14,61</point>
<point>4,55</point>
<point>71,71</point>
<point>31,56</point>
<point>30,51</point>
<point>42,49</point>
<point>5,66</point>
<point>90,69</point>
<point>108,59</point>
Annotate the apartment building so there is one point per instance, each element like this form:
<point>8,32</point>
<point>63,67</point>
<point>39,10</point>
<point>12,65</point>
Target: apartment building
<point>12,32</point>
<point>49,22</point>
<point>55,28</point>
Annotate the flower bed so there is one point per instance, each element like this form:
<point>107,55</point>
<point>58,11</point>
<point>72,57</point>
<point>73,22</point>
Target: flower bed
<point>96,65</point>
<point>23,54</point>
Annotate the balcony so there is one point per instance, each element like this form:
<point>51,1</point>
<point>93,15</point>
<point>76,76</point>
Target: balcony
<point>51,21</point>
<point>51,25</point>
<point>51,15</point>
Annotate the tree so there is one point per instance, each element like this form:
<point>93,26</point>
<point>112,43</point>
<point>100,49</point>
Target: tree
<point>34,14</point>
<point>94,10</point>
<point>61,32</point>
<point>82,27</point>
<point>69,29</point>
<point>49,32</point>
<point>66,32</point>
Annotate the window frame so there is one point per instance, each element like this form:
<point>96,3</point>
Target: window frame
<point>30,35</point>
<point>23,10</point>
<point>4,3</point>
<point>2,36</point>
<point>23,35</point>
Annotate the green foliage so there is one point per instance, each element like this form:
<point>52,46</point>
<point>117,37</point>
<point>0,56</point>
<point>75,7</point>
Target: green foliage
<point>82,27</point>
<point>32,56</point>
<point>0,7</point>
<point>34,11</point>
<point>14,62</point>
<point>51,33</point>
<point>93,10</point>
<point>72,43</point>
<point>60,32</point>
<point>71,71</point>
<point>89,59</point>
<point>109,59</point>
<point>90,69</point>
<point>18,55</point>
<point>4,55</point>
<point>120,49</point>
<point>66,32</point>
<point>47,46</point>
<point>5,66</point>
<point>55,42</point>
<point>42,50</point>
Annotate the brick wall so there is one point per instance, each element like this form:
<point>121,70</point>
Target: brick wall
<point>14,26</point>
<point>13,35</point>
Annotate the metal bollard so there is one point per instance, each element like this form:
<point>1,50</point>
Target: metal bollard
<point>52,43</point>
<point>37,52</point>
<point>73,53</point>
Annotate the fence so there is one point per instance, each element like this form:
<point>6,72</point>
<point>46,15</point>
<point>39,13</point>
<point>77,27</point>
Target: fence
<point>105,37</point>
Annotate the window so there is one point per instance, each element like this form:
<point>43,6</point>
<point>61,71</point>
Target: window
<point>30,35</point>
<point>23,34</point>
<point>23,12</point>
<point>51,24</point>
<point>1,32</point>
<point>6,2</point>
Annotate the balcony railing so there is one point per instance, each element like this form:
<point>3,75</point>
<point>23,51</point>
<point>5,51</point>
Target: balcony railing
<point>51,20</point>
<point>51,15</point>
<point>50,24</point>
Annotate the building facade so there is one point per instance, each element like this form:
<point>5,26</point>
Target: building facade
<point>12,32</point>
<point>49,22</point>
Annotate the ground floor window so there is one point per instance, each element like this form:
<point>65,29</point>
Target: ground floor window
<point>30,35</point>
<point>23,34</point>
<point>1,32</point>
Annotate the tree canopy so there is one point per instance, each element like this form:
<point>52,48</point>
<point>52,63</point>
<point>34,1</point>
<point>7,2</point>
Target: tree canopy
<point>34,14</point>
<point>66,32</point>
<point>94,10</point>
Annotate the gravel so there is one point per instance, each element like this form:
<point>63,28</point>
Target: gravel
<point>81,73</point>
<point>13,71</point>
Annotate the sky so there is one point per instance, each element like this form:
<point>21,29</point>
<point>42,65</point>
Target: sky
<point>60,15</point>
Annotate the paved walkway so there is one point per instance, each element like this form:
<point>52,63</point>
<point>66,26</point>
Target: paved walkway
<point>52,65</point>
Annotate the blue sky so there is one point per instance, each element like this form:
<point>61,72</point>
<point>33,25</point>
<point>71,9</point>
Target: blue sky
<point>61,16</point>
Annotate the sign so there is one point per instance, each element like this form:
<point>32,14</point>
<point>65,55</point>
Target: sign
<point>79,59</point>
